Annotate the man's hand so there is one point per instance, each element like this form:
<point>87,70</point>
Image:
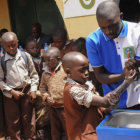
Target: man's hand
<point>130,64</point>
<point>129,69</point>
<point>33,96</point>
<point>16,94</point>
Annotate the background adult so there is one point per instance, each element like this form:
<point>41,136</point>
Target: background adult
<point>37,35</point>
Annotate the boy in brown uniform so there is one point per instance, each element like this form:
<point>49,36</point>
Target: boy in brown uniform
<point>81,102</point>
<point>19,82</point>
<point>52,86</point>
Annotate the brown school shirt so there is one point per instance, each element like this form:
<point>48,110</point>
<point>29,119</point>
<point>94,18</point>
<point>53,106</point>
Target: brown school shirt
<point>80,120</point>
<point>52,84</point>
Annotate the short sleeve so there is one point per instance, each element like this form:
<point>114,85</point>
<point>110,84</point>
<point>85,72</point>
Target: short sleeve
<point>92,52</point>
<point>82,96</point>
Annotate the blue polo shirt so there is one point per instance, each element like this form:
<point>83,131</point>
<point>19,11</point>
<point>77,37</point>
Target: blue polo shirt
<point>112,54</point>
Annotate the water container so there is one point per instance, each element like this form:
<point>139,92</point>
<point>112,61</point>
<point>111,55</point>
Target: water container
<point>121,124</point>
<point>1,51</point>
<point>45,46</point>
<point>20,48</point>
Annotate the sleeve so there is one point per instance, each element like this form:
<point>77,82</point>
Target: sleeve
<point>82,96</point>
<point>43,85</point>
<point>33,74</point>
<point>138,46</point>
<point>92,53</point>
<point>3,85</point>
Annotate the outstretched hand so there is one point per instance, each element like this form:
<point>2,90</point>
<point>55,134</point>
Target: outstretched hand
<point>113,99</point>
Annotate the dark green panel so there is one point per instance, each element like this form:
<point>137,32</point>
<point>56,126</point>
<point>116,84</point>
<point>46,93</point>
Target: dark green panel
<point>23,14</point>
<point>48,15</point>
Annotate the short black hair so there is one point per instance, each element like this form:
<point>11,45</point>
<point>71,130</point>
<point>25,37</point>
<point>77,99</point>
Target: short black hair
<point>2,31</point>
<point>107,9</point>
<point>55,52</point>
<point>80,45</point>
<point>60,32</point>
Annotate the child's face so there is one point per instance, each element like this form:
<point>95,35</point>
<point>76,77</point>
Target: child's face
<point>33,49</point>
<point>58,42</point>
<point>80,71</point>
<point>51,61</point>
<point>11,46</point>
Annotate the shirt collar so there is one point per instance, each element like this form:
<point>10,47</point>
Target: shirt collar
<point>66,44</point>
<point>88,84</point>
<point>37,40</point>
<point>46,69</point>
<point>123,32</point>
<point>9,57</point>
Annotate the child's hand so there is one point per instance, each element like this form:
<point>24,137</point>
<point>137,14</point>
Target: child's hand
<point>16,94</point>
<point>50,100</point>
<point>113,99</point>
<point>33,96</point>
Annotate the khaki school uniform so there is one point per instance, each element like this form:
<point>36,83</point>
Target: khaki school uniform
<point>52,84</point>
<point>19,113</point>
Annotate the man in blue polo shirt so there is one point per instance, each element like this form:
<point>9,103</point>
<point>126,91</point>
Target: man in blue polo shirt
<point>111,49</point>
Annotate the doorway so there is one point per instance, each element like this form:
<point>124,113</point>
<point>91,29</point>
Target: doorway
<point>25,12</point>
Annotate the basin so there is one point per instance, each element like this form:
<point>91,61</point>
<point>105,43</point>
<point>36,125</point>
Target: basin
<point>120,125</point>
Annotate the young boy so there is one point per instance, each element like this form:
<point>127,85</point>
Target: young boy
<point>52,86</point>
<point>34,50</point>
<point>81,102</point>
<point>19,82</point>
<point>60,40</point>
<point>79,45</point>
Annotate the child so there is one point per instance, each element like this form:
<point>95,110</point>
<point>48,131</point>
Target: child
<point>81,102</point>
<point>34,50</point>
<point>19,82</point>
<point>79,45</point>
<point>42,119</point>
<point>60,40</point>
<point>52,86</point>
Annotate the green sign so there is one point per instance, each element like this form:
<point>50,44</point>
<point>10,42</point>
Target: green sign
<point>129,52</point>
<point>87,6</point>
<point>83,4</point>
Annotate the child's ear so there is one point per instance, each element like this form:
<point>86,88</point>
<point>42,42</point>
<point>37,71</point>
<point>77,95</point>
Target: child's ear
<point>68,72</point>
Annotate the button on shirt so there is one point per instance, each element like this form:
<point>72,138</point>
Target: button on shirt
<point>17,73</point>
<point>112,54</point>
